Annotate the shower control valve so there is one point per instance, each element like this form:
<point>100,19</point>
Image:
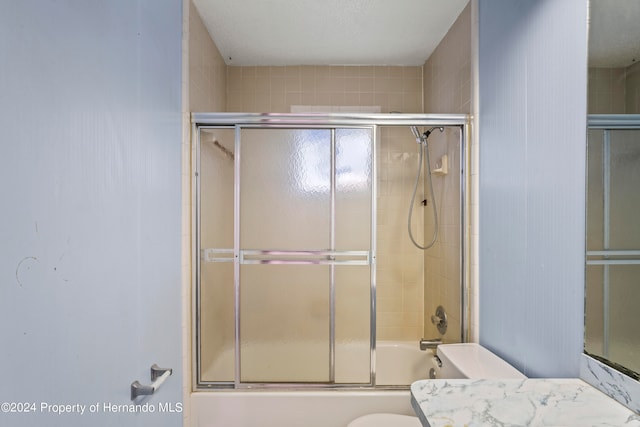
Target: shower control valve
<point>440,320</point>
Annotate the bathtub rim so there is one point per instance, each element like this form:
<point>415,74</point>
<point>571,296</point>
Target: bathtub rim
<point>232,387</point>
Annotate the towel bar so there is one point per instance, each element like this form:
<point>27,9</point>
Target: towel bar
<point>158,376</point>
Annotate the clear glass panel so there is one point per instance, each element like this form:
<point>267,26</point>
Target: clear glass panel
<point>353,314</point>
<point>285,183</point>
<point>354,151</point>
<point>216,188</point>
<point>445,256</point>
<point>284,328</point>
<point>217,340</point>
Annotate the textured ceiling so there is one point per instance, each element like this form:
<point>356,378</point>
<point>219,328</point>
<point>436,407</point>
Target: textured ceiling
<point>328,32</point>
<point>614,33</point>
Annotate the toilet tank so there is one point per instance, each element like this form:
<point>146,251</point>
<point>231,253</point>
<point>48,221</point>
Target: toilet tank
<point>470,360</point>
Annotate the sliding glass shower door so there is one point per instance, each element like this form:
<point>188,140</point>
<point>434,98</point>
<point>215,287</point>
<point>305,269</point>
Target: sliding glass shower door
<point>613,245</point>
<point>302,256</point>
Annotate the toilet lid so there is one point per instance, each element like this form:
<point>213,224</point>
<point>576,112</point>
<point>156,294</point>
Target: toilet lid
<point>385,420</point>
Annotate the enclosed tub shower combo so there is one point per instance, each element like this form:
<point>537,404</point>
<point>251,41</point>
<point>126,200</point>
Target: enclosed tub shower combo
<point>297,221</point>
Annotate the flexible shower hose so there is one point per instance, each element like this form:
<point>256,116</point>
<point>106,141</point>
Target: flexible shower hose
<point>433,198</point>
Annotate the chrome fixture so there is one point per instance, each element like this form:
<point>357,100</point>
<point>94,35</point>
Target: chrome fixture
<point>430,344</point>
<point>433,373</point>
<point>158,376</point>
<point>438,361</point>
<point>422,138</point>
<point>417,134</point>
<point>422,145</point>
<point>440,320</point>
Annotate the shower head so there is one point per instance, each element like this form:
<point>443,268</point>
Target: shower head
<point>427,133</point>
<point>423,138</point>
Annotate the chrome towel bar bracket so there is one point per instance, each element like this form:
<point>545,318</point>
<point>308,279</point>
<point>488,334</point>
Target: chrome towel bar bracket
<point>158,376</point>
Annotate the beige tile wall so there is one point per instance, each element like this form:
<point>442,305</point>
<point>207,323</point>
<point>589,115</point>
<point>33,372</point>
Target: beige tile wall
<point>633,89</point>
<point>606,94</point>
<point>447,72</point>
<point>614,90</point>
<point>207,69</point>
<point>447,89</point>
<point>276,89</point>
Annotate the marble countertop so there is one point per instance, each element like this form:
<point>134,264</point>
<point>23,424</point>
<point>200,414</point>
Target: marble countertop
<point>531,402</point>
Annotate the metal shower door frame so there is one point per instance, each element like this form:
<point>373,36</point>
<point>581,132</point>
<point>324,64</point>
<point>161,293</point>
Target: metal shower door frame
<point>607,256</point>
<point>315,121</point>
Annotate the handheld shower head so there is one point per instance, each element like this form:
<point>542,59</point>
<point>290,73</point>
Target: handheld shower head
<point>416,133</point>
<point>423,147</point>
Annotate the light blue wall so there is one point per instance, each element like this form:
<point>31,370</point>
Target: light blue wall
<point>531,123</point>
<point>90,179</point>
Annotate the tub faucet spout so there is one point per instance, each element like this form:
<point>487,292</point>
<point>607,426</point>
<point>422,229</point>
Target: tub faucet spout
<point>430,344</point>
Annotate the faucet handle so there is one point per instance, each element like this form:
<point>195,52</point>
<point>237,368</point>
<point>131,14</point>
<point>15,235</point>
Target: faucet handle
<point>440,320</point>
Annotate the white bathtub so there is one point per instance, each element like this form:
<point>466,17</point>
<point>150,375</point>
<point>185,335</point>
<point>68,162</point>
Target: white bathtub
<point>398,363</point>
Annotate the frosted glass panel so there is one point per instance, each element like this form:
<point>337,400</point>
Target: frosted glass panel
<point>353,308</point>
<point>284,323</point>
<point>285,183</point>
<point>354,149</point>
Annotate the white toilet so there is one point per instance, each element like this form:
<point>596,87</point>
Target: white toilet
<point>471,360</point>
<point>467,360</point>
<point>385,420</point>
